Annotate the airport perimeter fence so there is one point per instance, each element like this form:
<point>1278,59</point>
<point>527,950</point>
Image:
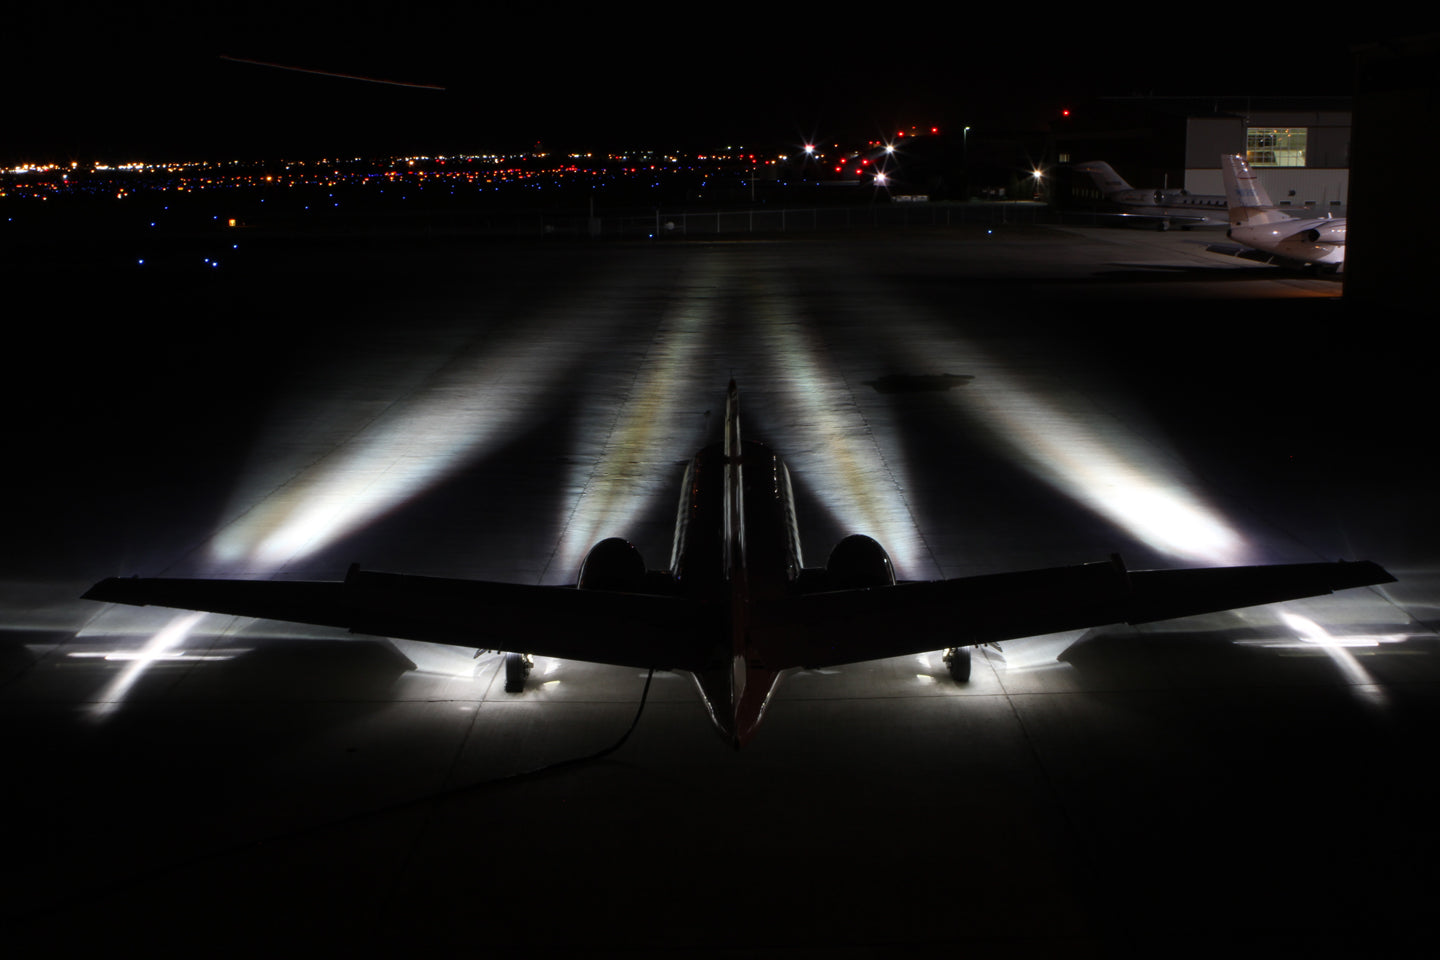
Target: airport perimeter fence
<point>660,224</point>
<point>681,224</point>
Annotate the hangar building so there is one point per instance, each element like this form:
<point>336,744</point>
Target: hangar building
<point>1301,145</point>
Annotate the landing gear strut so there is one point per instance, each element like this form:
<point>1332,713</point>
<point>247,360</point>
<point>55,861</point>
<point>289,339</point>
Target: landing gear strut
<point>958,660</point>
<point>517,668</point>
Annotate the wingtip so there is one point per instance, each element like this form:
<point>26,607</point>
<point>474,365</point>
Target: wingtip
<point>1345,574</point>
<point>113,590</point>
<point>1385,575</point>
<point>104,591</point>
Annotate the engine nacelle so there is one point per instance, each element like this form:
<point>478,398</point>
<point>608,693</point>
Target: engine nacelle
<point>1330,233</point>
<point>858,561</point>
<point>613,564</point>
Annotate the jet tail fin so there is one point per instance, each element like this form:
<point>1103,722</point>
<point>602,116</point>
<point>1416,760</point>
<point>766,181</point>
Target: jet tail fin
<point>1245,195</point>
<point>1107,181</point>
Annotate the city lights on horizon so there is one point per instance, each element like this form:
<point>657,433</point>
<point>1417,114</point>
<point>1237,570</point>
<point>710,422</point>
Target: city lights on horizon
<point>538,167</point>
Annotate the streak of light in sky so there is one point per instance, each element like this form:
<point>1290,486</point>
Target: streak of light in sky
<point>330,73</point>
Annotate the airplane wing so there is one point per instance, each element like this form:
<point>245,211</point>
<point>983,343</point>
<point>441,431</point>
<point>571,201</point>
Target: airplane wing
<point>1177,219</point>
<point>822,629</point>
<point>624,629</point>
<point>825,629</point>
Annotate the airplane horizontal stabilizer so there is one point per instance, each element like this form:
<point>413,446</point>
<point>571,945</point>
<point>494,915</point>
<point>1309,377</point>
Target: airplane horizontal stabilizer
<point>850,626</point>
<point>624,629</point>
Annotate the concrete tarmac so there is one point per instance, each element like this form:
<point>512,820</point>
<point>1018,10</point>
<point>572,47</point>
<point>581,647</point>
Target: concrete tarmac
<point>977,399</point>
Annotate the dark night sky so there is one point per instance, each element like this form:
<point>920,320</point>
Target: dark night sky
<point>147,81</point>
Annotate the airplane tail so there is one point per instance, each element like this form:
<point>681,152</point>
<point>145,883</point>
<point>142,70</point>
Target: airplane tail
<point>1245,195</point>
<point>1107,181</point>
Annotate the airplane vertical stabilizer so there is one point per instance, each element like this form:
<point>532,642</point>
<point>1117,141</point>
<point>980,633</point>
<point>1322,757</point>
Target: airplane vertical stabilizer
<point>1245,195</point>
<point>1106,180</point>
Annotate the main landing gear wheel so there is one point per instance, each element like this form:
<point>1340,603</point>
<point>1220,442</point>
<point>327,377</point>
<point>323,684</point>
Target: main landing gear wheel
<point>958,660</point>
<point>517,668</point>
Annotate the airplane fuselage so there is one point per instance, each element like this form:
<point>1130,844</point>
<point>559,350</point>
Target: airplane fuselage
<point>1159,204</point>
<point>1171,204</point>
<point>1312,241</point>
<point>737,545</point>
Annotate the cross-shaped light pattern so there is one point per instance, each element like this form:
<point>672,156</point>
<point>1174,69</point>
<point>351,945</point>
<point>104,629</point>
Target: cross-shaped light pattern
<point>1338,649</point>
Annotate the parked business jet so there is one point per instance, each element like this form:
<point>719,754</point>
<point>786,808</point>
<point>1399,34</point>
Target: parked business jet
<point>737,608</point>
<point>1258,224</point>
<point>1165,207</point>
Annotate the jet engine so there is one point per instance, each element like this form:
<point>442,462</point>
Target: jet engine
<point>613,564</point>
<point>1330,233</point>
<point>858,561</point>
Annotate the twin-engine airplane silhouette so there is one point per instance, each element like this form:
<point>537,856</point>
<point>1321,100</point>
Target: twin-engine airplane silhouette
<point>737,608</point>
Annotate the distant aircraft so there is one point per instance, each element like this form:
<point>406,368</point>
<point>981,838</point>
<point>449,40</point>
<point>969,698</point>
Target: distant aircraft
<point>1163,206</point>
<point>1258,224</point>
<point>737,608</point>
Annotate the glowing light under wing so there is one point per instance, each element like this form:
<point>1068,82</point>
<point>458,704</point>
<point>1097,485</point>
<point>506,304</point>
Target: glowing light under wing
<point>1311,632</point>
<point>1360,679</point>
<point>156,648</point>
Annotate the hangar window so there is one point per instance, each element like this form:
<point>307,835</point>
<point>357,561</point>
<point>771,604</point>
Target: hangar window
<point>1275,146</point>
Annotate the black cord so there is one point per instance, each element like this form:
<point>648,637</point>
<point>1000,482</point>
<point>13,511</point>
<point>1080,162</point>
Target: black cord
<point>558,764</point>
<point>444,794</point>
<point>449,792</point>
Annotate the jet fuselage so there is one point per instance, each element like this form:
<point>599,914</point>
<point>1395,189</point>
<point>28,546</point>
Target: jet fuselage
<point>737,545</point>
